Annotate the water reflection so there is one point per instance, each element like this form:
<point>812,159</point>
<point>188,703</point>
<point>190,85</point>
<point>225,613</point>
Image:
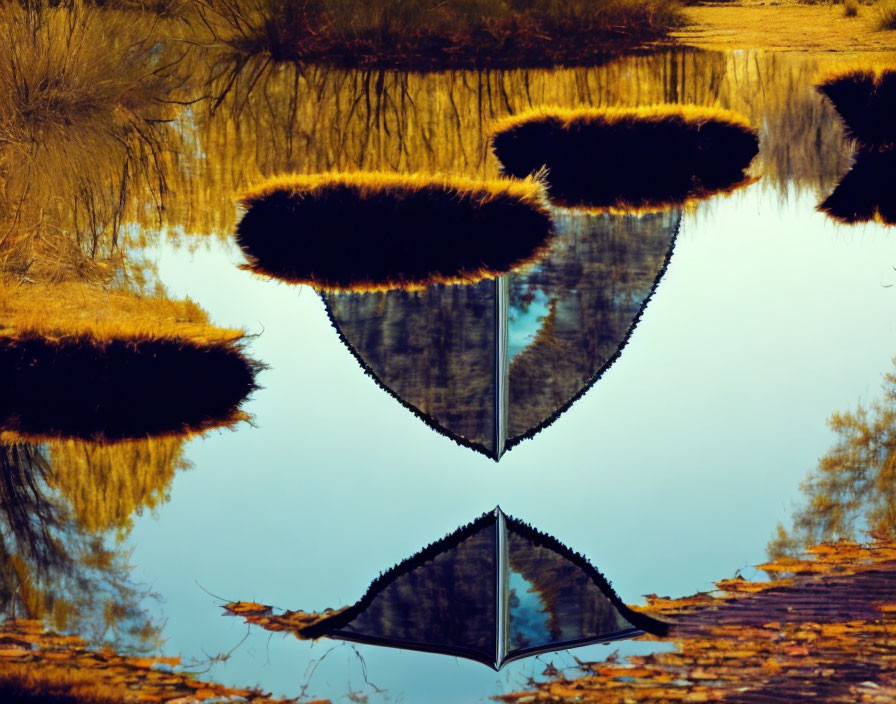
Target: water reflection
<point>307,119</point>
<point>54,568</point>
<point>867,192</point>
<point>492,364</point>
<point>853,488</point>
<point>493,591</point>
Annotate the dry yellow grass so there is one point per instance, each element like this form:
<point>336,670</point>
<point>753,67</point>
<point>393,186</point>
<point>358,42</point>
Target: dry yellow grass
<point>81,310</point>
<point>77,361</point>
<point>370,183</point>
<point>846,69</point>
<point>373,231</point>
<point>85,96</point>
<point>646,114</point>
<point>632,159</point>
<point>788,26</point>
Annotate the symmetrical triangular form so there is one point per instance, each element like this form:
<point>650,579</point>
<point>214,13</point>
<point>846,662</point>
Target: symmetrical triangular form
<point>493,363</point>
<point>494,591</point>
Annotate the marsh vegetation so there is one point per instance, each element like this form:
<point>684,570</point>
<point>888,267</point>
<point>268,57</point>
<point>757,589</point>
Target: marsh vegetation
<point>428,33</point>
<point>376,231</point>
<point>867,193</point>
<point>628,158</point>
<point>865,98</point>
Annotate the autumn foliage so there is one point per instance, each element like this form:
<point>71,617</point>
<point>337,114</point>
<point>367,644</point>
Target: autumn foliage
<point>43,667</point>
<point>820,628</point>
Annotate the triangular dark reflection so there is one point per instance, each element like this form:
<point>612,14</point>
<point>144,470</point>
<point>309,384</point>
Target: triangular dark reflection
<point>493,591</point>
<point>494,363</point>
<point>867,192</point>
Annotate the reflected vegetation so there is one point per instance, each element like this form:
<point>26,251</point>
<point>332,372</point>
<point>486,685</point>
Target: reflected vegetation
<point>866,100</point>
<point>820,629</point>
<point>867,192</point>
<point>271,118</point>
<point>646,158</point>
<point>853,488</point>
<point>492,364</point>
<point>110,135</point>
<point>463,596</point>
<point>54,570</point>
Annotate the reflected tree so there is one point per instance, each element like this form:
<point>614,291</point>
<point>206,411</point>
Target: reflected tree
<point>53,570</point>
<point>853,488</point>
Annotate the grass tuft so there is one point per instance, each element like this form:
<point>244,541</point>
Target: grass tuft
<point>867,193</point>
<point>85,97</point>
<point>886,14</point>
<point>76,362</point>
<point>379,231</point>
<point>865,98</point>
<point>628,158</point>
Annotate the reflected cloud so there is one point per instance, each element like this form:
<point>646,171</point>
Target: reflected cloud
<point>492,364</point>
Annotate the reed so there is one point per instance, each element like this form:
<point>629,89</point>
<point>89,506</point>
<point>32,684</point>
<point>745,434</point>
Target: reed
<point>80,363</point>
<point>642,158</point>
<point>379,231</point>
<point>86,94</point>
<point>865,99</point>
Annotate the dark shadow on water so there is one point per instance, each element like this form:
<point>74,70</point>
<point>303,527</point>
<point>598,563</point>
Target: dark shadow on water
<point>867,192</point>
<point>83,388</point>
<point>494,363</point>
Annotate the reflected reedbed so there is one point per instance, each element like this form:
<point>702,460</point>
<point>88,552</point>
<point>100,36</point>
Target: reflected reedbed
<point>494,363</point>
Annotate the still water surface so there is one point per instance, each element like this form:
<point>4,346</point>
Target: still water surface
<point>764,316</point>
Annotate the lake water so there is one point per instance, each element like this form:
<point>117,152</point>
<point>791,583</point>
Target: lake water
<point>757,317</point>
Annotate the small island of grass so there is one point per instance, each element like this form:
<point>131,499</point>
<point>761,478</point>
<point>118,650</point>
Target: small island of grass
<point>644,158</point>
<point>80,362</point>
<point>379,231</point>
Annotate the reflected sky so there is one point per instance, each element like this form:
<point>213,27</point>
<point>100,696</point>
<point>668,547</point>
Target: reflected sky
<point>670,473</point>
